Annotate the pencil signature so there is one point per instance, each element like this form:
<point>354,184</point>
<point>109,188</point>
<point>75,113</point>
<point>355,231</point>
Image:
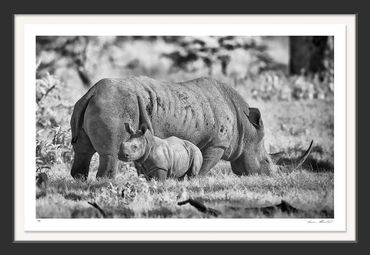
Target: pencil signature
<point>320,221</point>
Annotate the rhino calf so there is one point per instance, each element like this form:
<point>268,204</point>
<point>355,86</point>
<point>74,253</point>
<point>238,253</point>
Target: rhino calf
<point>160,158</point>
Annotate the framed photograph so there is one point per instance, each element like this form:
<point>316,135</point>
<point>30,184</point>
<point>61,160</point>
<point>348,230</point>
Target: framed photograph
<point>185,128</point>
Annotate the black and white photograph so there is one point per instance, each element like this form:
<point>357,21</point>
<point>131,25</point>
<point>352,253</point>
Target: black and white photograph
<point>185,126</point>
<point>179,128</point>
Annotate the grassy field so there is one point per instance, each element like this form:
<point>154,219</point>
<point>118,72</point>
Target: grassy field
<point>289,126</point>
<point>310,188</point>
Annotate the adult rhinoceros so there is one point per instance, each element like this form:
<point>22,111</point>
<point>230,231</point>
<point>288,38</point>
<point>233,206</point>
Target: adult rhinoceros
<point>204,111</point>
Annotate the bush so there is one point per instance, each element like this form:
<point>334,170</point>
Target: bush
<point>52,133</point>
<point>276,85</point>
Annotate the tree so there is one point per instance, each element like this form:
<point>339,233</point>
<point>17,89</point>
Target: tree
<point>311,55</point>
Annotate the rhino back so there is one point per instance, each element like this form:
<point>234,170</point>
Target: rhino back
<point>195,110</point>
<point>200,110</point>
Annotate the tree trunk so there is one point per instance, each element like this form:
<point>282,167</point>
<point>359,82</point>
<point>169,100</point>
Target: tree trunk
<point>308,54</point>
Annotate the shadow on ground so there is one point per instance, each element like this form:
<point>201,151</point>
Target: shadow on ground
<point>278,210</point>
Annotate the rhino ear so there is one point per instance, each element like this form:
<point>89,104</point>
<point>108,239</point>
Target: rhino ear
<point>143,128</point>
<point>255,117</point>
<point>129,129</point>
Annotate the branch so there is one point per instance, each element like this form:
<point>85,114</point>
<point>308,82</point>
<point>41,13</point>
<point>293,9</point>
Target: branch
<point>98,207</point>
<point>200,207</point>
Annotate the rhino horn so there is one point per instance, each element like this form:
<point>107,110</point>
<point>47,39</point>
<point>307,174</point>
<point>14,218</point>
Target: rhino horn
<point>144,121</point>
<point>298,163</point>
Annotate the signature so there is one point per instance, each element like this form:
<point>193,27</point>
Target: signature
<point>320,221</point>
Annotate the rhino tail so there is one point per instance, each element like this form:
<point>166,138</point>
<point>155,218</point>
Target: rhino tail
<point>143,116</point>
<point>79,113</point>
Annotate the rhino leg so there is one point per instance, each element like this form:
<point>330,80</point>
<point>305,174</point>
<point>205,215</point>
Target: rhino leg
<point>81,164</point>
<point>211,156</point>
<point>105,133</point>
<point>107,166</point>
<point>159,174</point>
<point>196,165</point>
<point>139,168</point>
<point>83,152</point>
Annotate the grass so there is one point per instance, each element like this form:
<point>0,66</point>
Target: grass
<point>131,196</point>
<point>310,188</point>
<point>289,127</point>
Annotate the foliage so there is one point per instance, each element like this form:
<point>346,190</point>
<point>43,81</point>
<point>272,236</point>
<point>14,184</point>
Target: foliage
<point>294,108</point>
<point>234,59</point>
<point>52,132</point>
<point>56,148</point>
<point>277,85</point>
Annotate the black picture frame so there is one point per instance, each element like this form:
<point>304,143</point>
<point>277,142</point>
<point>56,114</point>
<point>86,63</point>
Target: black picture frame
<point>164,7</point>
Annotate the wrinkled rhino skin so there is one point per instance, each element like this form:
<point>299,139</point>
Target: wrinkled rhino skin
<point>165,158</point>
<point>204,111</point>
